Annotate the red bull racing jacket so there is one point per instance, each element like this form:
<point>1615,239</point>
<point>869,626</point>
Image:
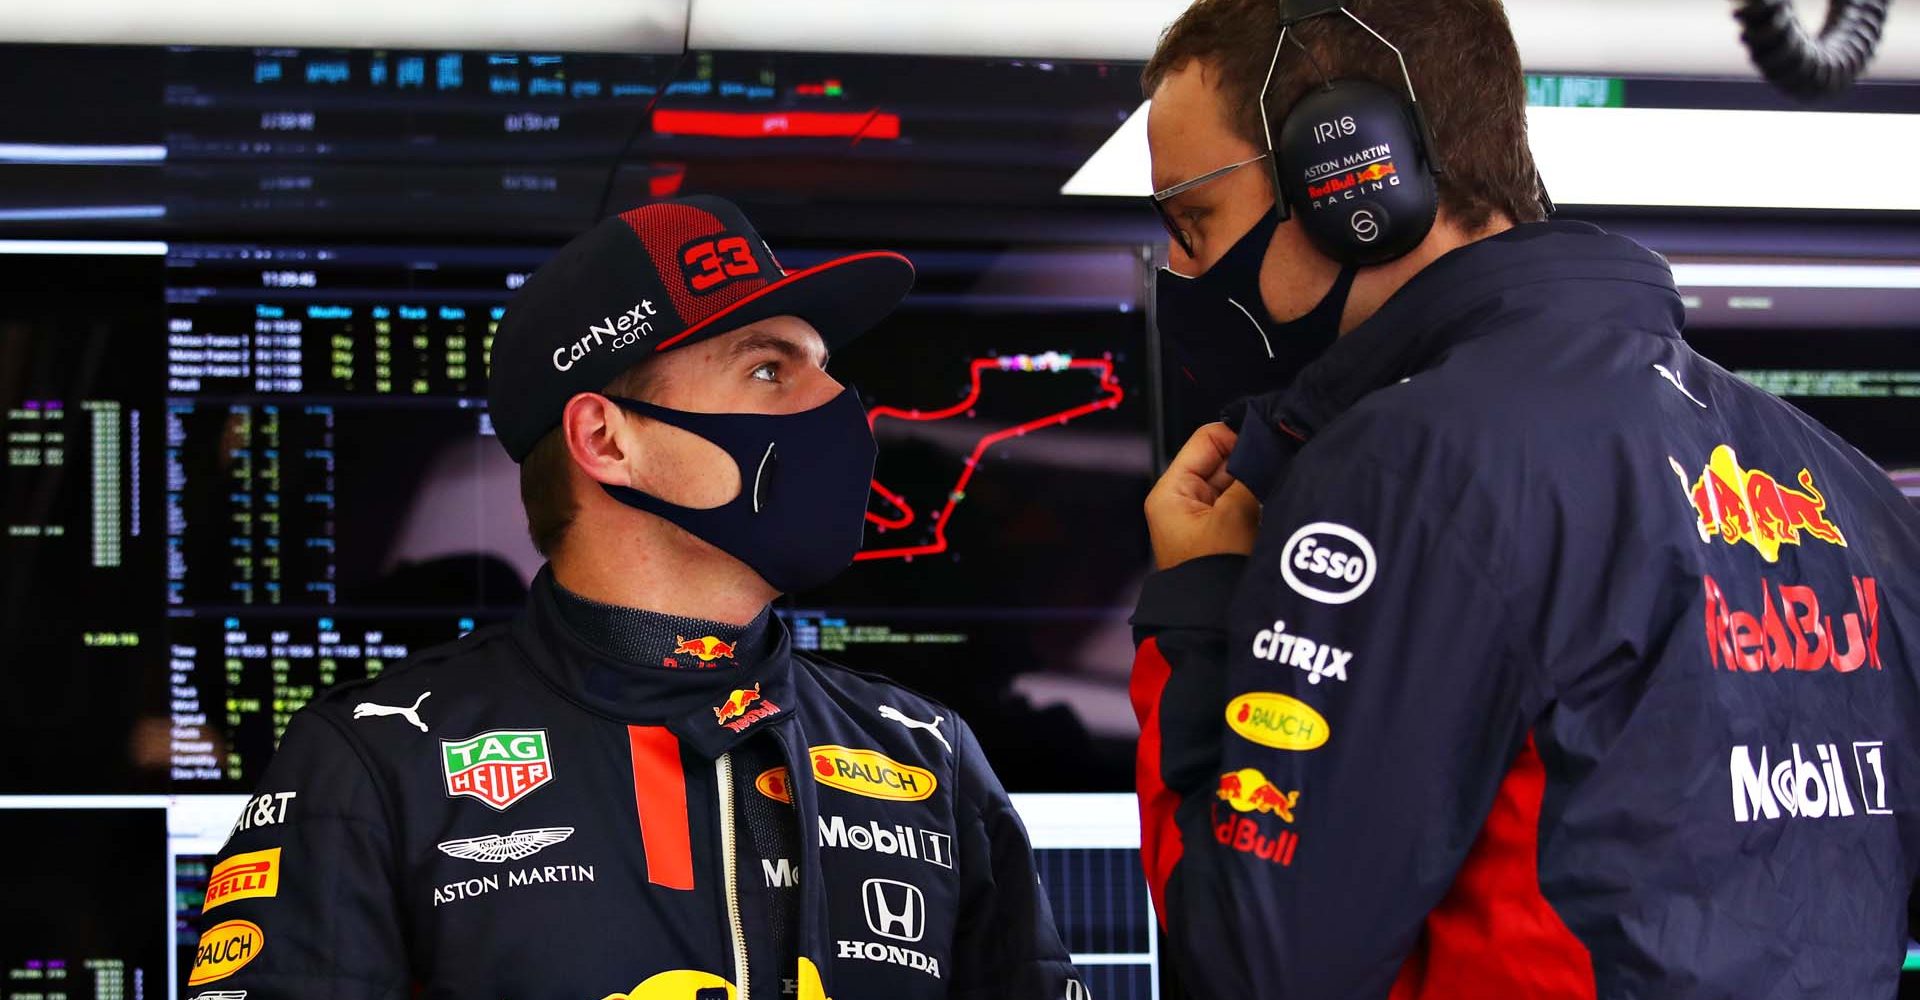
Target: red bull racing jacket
<point>517,815</point>
<point>1566,664</point>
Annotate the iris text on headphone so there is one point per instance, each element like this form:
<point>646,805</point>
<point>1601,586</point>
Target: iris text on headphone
<point>1341,126</point>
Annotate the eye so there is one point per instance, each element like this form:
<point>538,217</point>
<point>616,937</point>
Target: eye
<point>766,372</point>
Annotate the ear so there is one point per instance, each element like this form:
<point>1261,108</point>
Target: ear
<point>600,438</point>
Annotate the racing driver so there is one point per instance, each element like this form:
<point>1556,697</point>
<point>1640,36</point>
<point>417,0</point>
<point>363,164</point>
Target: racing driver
<point>638,788</point>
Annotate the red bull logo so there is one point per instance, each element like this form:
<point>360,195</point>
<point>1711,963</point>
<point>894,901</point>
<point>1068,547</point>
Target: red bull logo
<point>1371,174</point>
<point>1247,790</point>
<point>708,648</point>
<point>1748,505</point>
<point>1375,172</point>
<point>1791,633</point>
<point>736,704</point>
<point>735,714</point>
<point>1331,185</point>
<point>1243,834</point>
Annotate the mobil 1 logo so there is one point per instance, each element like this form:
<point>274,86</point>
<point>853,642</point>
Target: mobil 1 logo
<point>1327,562</point>
<point>1810,781</point>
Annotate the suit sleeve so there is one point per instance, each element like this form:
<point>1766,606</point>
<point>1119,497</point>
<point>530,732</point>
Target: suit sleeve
<point>301,901</point>
<point>1373,703</point>
<point>1007,944</point>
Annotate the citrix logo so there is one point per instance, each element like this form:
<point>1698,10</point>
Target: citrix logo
<point>1276,646</point>
<point>628,329</point>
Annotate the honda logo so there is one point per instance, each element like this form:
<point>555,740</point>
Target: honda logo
<point>895,909</point>
<point>1076,990</point>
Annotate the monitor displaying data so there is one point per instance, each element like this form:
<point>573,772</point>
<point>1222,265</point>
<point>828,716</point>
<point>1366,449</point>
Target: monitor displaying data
<point>269,469</point>
<point>1862,384</point>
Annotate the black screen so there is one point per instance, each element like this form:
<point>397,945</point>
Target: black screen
<point>87,917</point>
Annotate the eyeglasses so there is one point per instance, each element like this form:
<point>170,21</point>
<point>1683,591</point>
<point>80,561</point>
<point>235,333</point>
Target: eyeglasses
<point>1159,199</point>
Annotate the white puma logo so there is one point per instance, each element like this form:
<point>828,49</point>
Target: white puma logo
<point>367,710</point>
<point>889,712</point>
<point>1667,373</point>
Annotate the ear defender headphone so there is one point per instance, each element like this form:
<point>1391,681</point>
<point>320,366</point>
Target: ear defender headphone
<point>1354,160</point>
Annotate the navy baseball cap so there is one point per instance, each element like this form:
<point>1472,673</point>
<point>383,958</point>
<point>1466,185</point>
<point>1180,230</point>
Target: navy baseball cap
<point>658,277</point>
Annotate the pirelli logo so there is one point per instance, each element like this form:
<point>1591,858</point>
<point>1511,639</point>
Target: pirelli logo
<point>255,874</point>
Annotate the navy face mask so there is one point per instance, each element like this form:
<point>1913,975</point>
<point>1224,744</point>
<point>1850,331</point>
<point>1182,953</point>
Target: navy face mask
<point>1218,329</point>
<point>801,512</point>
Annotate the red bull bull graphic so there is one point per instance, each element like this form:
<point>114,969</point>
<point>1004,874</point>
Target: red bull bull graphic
<point>1247,790</point>
<point>1748,505</point>
<point>735,713</point>
<point>1375,172</point>
<point>1790,633</point>
<point>736,704</point>
<point>708,648</point>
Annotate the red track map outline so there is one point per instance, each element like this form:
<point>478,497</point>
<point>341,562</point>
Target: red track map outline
<point>1111,400</point>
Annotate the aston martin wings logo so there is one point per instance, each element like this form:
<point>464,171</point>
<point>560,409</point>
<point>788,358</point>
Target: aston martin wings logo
<point>495,848</point>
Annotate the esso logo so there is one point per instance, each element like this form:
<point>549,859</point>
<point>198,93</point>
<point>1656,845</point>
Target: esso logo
<point>1331,563</point>
<point>1366,228</point>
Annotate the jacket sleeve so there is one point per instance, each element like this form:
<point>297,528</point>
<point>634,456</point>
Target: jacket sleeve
<point>1007,944</point>
<point>1178,692</point>
<point>1373,703</point>
<point>301,900</point>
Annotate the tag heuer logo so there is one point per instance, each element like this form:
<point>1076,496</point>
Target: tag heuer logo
<point>498,768</point>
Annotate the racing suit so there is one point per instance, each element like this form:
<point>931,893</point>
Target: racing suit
<point>519,814</point>
<point>1565,664</point>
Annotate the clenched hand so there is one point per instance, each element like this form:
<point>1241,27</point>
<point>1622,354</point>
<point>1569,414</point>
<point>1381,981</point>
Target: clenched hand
<point>1197,508</point>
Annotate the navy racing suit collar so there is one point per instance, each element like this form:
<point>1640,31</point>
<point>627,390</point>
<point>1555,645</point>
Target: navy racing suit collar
<point>709,710</point>
<point>1450,302</point>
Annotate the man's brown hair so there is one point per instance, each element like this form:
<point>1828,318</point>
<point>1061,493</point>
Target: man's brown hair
<point>546,476</point>
<point>1460,53</point>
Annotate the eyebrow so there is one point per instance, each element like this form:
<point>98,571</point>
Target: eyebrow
<point>769,342</point>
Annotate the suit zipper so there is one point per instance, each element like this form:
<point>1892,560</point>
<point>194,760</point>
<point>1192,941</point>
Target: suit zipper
<point>729,846</point>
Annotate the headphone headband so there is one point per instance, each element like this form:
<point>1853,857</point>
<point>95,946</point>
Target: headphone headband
<point>1293,12</point>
